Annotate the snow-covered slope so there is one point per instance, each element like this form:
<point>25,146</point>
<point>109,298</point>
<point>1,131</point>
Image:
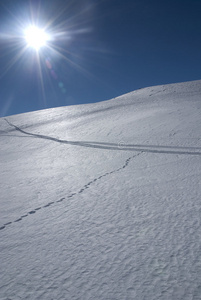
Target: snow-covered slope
<point>102,201</point>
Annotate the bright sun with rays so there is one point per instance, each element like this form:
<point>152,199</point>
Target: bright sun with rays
<point>35,44</point>
<point>36,37</point>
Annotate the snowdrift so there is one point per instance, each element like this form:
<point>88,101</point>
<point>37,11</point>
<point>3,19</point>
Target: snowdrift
<point>102,201</point>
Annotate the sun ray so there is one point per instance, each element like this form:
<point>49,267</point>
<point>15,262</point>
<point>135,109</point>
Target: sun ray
<point>15,59</point>
<point>41,79</point>
<point>50,39</point>
<point>59,50</point>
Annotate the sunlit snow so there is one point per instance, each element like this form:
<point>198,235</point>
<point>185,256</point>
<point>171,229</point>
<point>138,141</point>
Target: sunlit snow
<point>102,201</point>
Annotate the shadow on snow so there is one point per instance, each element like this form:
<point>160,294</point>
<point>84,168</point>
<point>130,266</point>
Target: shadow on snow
<point>114,146</point>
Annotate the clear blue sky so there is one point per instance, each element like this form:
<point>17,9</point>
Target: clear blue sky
<point>101,49</point>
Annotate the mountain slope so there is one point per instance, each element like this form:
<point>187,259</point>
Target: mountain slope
<point>101,201</point>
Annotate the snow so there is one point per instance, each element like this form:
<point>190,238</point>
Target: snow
<point>102,201</point>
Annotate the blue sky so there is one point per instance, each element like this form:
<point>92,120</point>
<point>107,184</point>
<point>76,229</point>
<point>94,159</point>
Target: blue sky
<point>100,49</point>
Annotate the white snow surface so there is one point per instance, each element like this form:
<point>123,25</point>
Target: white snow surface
<point>102,201</point>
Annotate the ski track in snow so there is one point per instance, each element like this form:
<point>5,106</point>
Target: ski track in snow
<point>109,146</point>
<point>139,238</point>
<point>112,146</point>
<point>86,186</point>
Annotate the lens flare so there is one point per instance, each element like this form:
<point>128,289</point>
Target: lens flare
<point>55,36</point>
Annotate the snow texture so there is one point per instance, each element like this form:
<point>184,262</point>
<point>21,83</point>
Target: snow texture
<point>102,201</point>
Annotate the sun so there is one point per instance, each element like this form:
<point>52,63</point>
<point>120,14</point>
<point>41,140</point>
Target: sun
<point>36,37</point>
<point>37,43</point>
